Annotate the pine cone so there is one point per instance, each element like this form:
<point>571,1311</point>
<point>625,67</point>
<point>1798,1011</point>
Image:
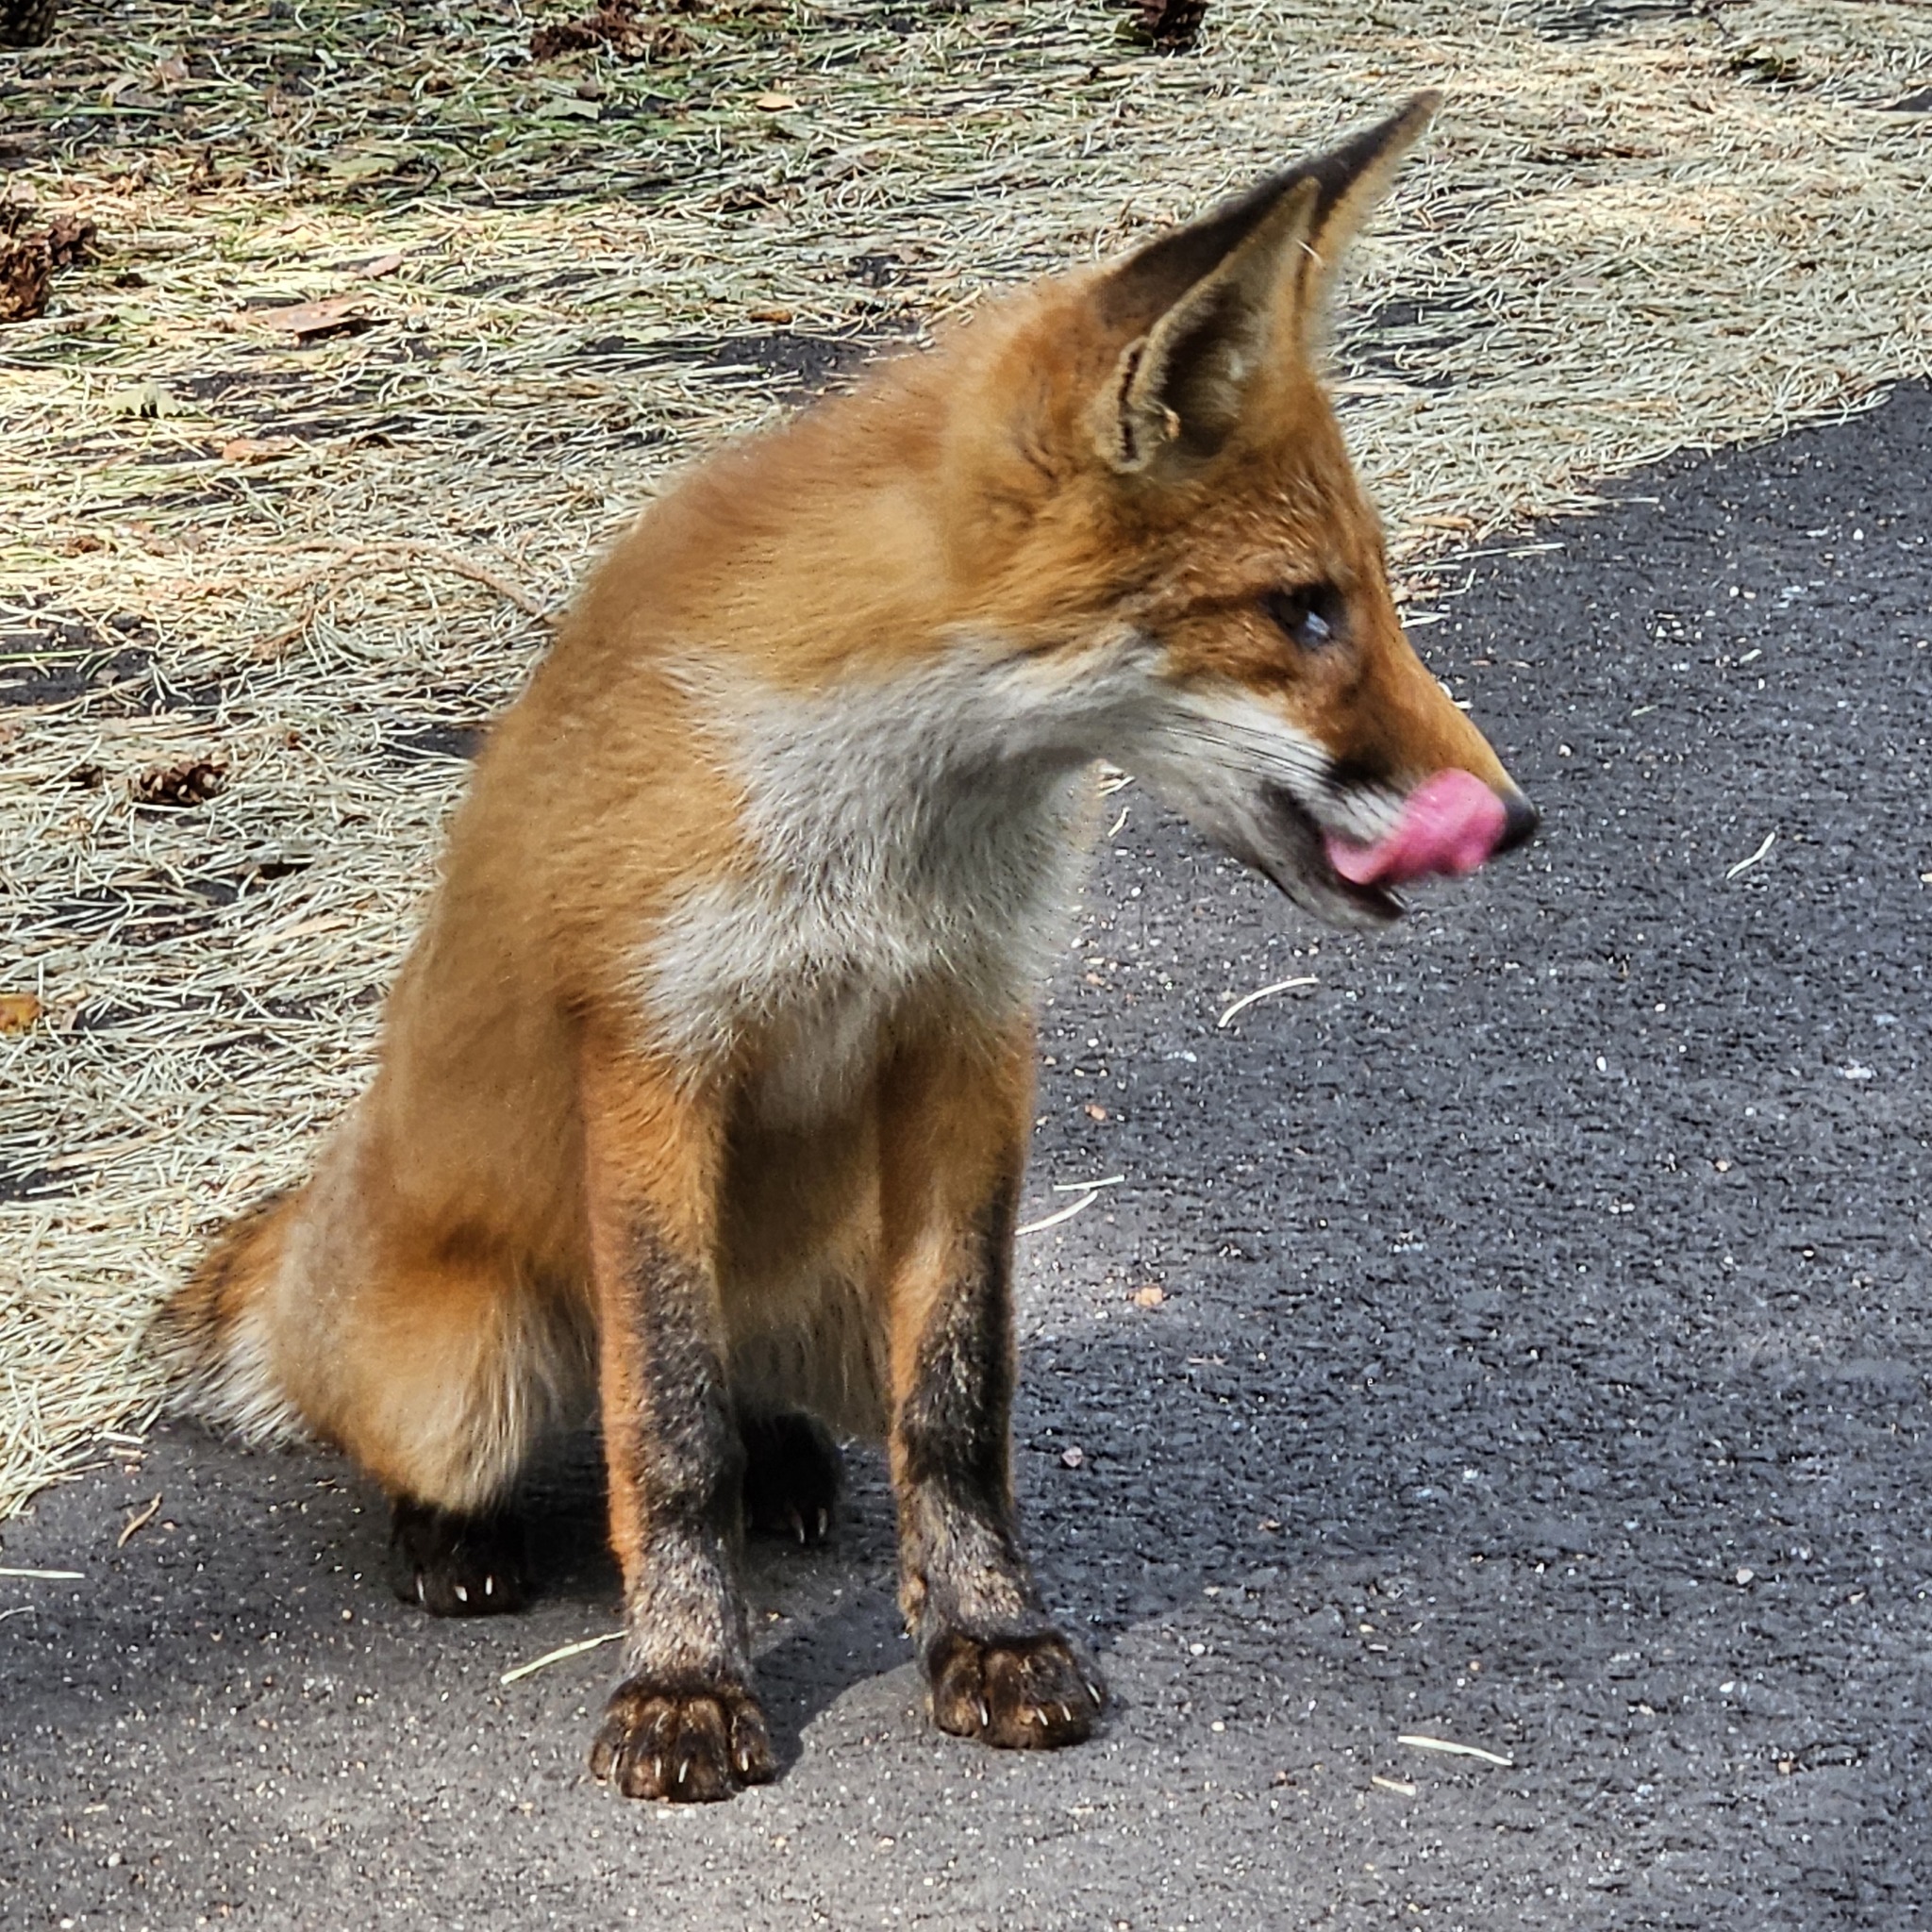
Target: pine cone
<point>26,23</point>
<point>1169,27</point>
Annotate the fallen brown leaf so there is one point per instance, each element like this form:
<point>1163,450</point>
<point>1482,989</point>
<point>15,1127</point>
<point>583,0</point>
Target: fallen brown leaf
<point>382,265</point>
<point>305,318</point>
<point>778,317</point>
<point>257,449</point>
<point>774,103</point>
<point>18,1011</point>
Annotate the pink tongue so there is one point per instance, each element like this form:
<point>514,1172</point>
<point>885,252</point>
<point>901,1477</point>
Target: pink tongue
<point>1450,823</point>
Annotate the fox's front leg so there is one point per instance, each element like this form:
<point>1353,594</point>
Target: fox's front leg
<point>685,1722</point>
<point>955,1148</point>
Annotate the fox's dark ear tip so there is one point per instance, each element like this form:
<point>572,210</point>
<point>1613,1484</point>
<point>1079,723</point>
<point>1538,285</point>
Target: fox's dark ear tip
<point>1408,121</point>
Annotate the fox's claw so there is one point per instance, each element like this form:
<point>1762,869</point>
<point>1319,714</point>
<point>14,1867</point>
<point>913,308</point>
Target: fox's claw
<point>1026,1694</point>
<point>685,1746</point>
<point>455,1565</point>
<point>791,1480</point>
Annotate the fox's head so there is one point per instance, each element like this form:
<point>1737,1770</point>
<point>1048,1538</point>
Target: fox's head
<point>1164,509</point>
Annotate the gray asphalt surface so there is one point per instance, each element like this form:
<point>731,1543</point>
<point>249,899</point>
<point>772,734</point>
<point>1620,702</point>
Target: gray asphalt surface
<point>1543,1365</point>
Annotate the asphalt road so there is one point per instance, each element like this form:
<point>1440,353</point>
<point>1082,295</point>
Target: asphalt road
<point>1541,1364</point>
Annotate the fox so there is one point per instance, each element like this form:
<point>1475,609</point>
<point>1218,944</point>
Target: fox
<point>703,1097</point>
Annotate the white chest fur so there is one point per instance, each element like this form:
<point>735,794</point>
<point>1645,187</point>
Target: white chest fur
<point>906,835</point>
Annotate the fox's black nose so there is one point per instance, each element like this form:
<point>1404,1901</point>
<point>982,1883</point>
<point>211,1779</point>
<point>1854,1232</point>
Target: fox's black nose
<point>1520,820</point>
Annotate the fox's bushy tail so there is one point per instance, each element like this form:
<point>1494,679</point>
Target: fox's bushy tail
<point>211,1335</point>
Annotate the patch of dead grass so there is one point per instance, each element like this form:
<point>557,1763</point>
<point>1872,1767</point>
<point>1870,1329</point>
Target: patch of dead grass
<point>308,564</point>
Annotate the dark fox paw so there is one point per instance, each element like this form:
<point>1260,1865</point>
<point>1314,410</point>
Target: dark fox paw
<point>791,1477</point>
<point>456,1565</point>
<point>1023,1693</point>
<point>689,1744</point>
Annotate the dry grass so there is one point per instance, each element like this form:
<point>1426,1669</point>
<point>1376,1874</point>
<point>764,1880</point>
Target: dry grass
<point>316,561</point>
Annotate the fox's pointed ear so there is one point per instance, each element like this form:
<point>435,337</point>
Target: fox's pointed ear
<point>1182,384</point>
<point>1353,179</point>
<point>1211,305</point>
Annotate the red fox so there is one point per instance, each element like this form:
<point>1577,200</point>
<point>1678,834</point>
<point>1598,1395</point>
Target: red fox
<point>708,1083</point>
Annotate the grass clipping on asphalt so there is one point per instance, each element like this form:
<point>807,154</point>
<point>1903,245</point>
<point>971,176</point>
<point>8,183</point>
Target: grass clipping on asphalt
<point>389,327</point>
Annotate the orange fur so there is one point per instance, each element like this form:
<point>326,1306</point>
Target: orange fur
<point>722,1007</point>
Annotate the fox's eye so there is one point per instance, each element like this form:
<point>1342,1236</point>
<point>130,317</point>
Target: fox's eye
<point>1310,616</point>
